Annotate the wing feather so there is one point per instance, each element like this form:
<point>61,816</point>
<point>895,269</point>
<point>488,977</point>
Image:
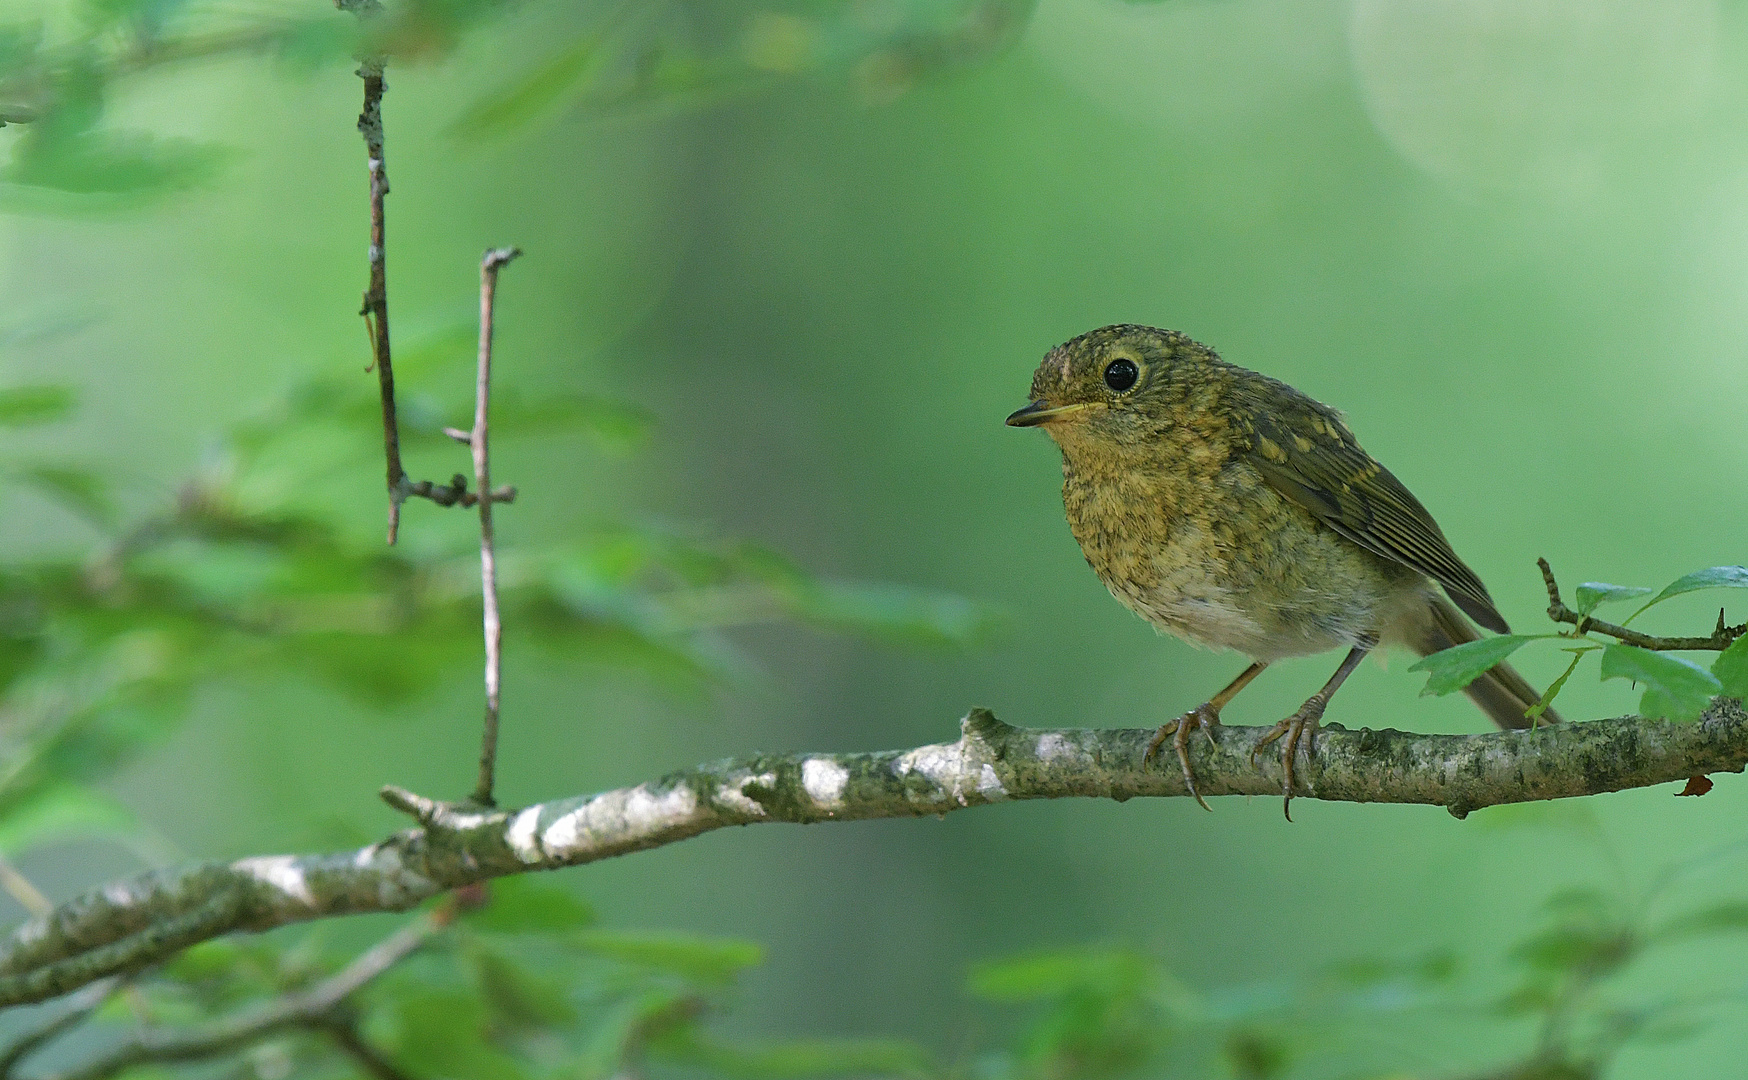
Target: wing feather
<point>1306,453</point>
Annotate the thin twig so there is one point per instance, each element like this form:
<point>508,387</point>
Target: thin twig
<point>20,889</point>
<point>302,1009</point>
<point>493,261</point>
<point>1719,639</point>
<point>79,1006</point>
<point>375,306</point>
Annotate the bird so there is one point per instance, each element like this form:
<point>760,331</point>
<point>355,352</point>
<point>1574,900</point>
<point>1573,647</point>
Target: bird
<point>1235,512</point>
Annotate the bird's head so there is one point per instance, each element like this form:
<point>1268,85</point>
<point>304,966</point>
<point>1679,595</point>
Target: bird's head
<point>1117,385</point>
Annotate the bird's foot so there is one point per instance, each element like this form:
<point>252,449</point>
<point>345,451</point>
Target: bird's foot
<point>1205,717</point>
<point>1302,725</point>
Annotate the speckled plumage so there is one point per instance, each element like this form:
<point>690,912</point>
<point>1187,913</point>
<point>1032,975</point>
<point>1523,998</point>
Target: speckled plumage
<point>1234,512</point>
<point>1180,525</point>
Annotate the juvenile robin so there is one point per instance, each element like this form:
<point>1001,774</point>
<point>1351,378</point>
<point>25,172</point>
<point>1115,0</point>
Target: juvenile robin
<point>1232,511</point>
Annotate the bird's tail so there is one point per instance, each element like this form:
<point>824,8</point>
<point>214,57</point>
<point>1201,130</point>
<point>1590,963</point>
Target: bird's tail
<point>1501,692</point>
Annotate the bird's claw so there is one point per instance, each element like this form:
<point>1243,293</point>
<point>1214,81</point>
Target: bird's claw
<point>1301,725</point>
<point>1204,716</point>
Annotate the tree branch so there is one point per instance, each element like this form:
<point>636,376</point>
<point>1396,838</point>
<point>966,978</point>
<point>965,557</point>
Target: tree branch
<point>126,925</point>
<point>314,1008</point>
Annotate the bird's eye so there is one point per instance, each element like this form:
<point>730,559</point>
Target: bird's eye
<point>1120,375</point>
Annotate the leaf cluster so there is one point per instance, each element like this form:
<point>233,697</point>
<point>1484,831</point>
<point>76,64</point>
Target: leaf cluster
<point>523,987</point>
<point>1675,688</point>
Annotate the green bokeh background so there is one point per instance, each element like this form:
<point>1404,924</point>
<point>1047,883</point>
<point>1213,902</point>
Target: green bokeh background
<point>1508,239</point>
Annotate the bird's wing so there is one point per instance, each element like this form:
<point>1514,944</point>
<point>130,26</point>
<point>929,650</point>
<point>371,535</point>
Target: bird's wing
<point>1307,454</point>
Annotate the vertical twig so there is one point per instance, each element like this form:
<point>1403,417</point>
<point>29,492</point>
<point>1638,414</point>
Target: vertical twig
<point>375,306</point>
<point>20,889</point>
<point>489,266</point>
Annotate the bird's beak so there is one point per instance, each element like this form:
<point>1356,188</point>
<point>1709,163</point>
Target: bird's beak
<point>1039,412</point>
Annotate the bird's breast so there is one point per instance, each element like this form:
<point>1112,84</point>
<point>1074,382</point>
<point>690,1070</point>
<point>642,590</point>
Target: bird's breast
<point>1217,558</point>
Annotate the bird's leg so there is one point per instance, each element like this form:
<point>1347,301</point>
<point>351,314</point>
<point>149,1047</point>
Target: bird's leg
<point>1303,724</point>
<point>1203,716</point>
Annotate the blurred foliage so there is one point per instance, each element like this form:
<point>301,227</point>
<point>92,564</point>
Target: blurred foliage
<point>677,55</point>
<point>55,84</point>
<point>526,985</point>
<point>521,987</point>
<point>1102,1013</point>
<point>100,650</point>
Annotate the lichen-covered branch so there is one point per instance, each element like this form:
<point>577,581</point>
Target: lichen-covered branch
<point>124,926</point>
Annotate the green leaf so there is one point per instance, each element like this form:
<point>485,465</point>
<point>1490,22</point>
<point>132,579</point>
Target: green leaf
<point>1528,999</point>
<point>107,165</point>
<point>60,813</point>
<point>23,406</point>
<point>795,1060</point>
<point>381,669</point>
<point>215,573</point>
<point>1590,950</point>
<point>519,999</point>
<point>1436,966</point>
<point>1731,668</point>
<point>1449,670</point>
<point>1045,975</point>
<point>1260,1054</point>
<point>1675,688</point>
<point>1582,903</point>
<point>705,960</point>
<point>82,492</point>
<point>1728,917</point>
<point>513,105</point>
<point>1712,577</point>
<point>438,1033</point>
<point>1593,593</point>
<point>896,613</point>
<point>617,1036</point>
<point>614,425</point>
<point>521,906</point>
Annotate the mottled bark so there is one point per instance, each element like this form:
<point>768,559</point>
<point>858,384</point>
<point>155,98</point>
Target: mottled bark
<point>125,926</point>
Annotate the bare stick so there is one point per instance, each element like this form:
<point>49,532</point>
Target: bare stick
<point>375,306</point>
<point>1720,638</point>
<point>493,261</point>
<point>374,309</point>
<point>20,889</point>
